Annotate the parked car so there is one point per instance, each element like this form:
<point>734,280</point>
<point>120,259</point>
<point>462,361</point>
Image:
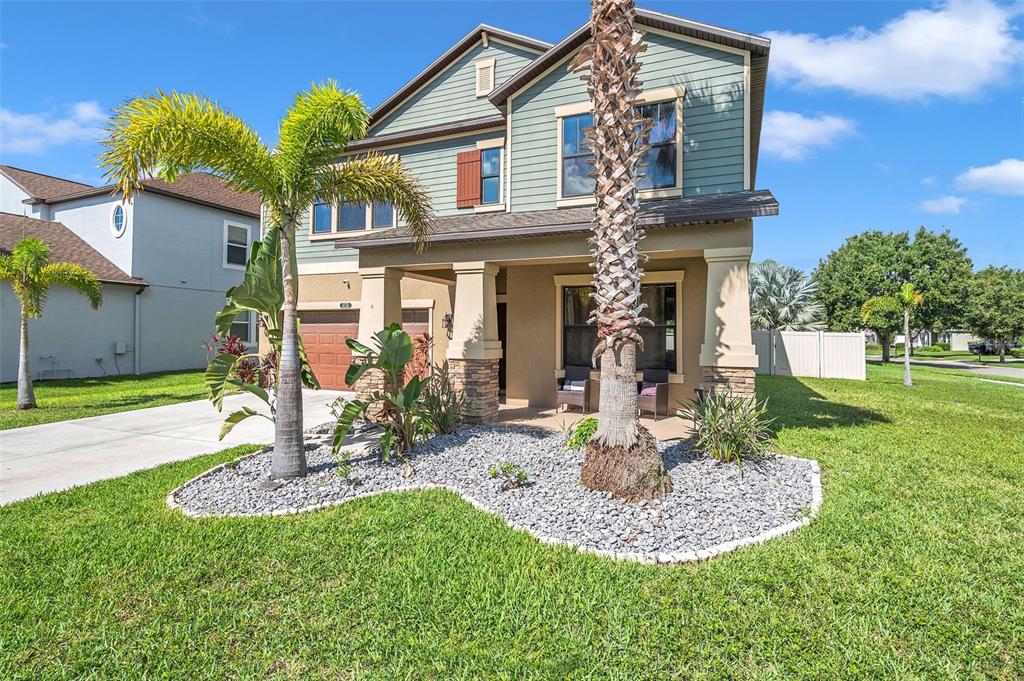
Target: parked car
<point>991,347</point>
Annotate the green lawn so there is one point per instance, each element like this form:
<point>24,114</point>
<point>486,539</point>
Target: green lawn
<point>76,398</point>
<point>915,569</point>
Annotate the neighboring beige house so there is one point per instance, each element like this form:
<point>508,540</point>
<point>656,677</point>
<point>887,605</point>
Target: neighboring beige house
<point>493,128</point>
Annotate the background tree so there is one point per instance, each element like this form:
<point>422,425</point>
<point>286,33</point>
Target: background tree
<point>622,457</point>
<point>942,272</point>
<point>783,298</point>
<point>908,299</point>
<point>882,314</point>
<point>30,273</point>
<point>866,265</point>
<point>172,134</point>
<point>996,308</point>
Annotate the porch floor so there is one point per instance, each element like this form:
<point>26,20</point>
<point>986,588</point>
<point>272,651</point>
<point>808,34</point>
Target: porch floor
<point>665,428</point>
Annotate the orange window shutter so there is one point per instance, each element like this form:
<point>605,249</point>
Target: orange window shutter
<point>467,189</point>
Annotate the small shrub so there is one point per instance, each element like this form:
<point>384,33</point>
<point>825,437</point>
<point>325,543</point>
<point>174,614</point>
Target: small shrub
<point>1017,353</point>
<point>873,348</point>
<point>246,370</point>
<point>443,406</point>
<point>938,347</point>
<point>420,364</point>
<point>727,428</point>
<point>512,475</point>
<point>579,433</point>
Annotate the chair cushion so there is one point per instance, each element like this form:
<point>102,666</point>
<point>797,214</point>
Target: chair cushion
<point>574,386</point>
<point>649,389</point>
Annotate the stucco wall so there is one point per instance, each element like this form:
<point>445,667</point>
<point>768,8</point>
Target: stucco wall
<point>89,218</point>
<point>11,199</point>
<point>532,336</point>
<point>71,332</point>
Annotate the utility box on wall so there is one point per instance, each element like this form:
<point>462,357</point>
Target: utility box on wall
<point>120,347</point>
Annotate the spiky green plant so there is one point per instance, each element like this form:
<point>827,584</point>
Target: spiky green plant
<point>27,268</point>
<point>169,134</point>
<point>908,299</point>
<point>783,298</point>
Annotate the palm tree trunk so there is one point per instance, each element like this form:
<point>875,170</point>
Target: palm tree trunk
<point>26,393</point>
<point>906,352</point>
<point>289,456</point>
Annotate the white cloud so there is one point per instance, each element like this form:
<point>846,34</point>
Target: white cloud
<point>944,205</point>
<point>790,135</point>
<point>1005,177</point>
<point>929,181</point>
<point>34,133</point>
<point>954,50</point>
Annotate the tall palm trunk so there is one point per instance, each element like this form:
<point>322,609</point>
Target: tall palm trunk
<point>289,457</point>
<point>26,393</point>
<point>906,349</point>
<point>622,458</point>
<point>885,348</point>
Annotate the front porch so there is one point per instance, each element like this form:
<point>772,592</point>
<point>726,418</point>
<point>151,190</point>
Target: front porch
<point>519,317</point>
<point>559,421</point>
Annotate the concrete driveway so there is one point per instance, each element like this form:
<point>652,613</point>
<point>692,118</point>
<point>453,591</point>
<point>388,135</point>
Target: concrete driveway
<point>55,456</point>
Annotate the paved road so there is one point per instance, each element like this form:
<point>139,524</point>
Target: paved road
<point>55,456</point>
<point>1010,369</point>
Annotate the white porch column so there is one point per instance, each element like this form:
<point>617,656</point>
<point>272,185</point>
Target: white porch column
<point>727,356</point>
<point>381,300</point>
<point>474,350</point>
<point>380,305</point>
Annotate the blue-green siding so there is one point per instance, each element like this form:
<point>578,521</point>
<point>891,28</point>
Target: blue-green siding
<point>712,120</point>
<point>433,163</point>
<point>451,96</point>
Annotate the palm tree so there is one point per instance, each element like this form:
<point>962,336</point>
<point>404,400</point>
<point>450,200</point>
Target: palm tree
<point>908,299</point>
<point>28,270</point>
<point>622,457</point>
<point>783,298</point>
<point>176,133</point>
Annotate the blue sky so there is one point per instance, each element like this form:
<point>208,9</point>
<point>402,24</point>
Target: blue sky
<point>881,115</point>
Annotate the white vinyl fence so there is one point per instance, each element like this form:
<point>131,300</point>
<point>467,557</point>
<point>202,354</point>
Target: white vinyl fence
<point>821,354</point>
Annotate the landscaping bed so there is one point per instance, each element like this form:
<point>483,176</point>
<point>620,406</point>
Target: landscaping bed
<point>714,507</point>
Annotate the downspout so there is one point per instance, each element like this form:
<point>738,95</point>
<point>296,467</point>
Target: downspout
<point>135,330</point>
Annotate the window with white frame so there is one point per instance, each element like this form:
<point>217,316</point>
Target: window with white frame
<point>118,221</point>
<point>241,327</point>
<point>577,158</point>
<point>236,245</point>
<point>350,217</point>
<point>490,176</point>
<point>659,163</point>
<point>323,217</point>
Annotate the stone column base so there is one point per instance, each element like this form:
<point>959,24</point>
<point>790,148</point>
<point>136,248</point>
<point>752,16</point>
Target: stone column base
<point>733,380</point>
<point>478,379</point>
<point>370,382</point>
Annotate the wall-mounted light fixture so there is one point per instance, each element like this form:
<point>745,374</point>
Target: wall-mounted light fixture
<point>448,323</point>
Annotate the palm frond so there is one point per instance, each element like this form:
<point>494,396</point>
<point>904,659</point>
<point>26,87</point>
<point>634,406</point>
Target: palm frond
<point>316,130</point>
<point>74,277</point>
<point>783,298</point>
<point>169,134</point>
<point>380,178</point>
<point>6,267</point>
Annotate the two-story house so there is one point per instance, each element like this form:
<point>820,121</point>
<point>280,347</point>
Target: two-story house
<point>494,128</point>
<point>165,259</point>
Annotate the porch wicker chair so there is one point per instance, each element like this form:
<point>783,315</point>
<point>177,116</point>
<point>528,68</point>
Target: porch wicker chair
<point>574,388</point>
<point>653,392</point>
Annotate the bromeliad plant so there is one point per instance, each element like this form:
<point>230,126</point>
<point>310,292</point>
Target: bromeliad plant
<point>396,405</point>
<point>729,428</point>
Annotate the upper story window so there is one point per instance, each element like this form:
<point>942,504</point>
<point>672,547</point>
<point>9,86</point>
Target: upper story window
<point>660,160</point>
<point>327,220</point>
<point>322,218</point>
<point>577,159</point>
<point>118,221</point>
<point>242,327</point>
<point>236,245</point>
<point>490,176</point>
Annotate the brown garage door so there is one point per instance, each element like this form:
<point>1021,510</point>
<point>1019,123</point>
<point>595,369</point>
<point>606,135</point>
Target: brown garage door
<point>323,336</point>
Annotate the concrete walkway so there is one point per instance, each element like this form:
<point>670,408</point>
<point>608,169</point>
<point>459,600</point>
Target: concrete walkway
<point>55,456</point>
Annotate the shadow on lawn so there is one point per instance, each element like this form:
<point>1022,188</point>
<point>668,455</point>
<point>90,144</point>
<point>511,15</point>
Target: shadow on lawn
<point>793,404</point>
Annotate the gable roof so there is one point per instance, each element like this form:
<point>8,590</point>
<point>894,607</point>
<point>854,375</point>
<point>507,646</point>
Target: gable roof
<point>757,46</point>
<point>447,59</point>
<point>40,186</point>
<point>704,209</point>
<point>203,188</point>
<point>65,246</point>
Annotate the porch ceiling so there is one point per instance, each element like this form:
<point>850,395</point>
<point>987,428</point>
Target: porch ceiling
<point>653,214</point>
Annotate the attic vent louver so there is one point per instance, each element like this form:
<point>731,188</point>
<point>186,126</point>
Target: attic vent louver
<point>484,77</point>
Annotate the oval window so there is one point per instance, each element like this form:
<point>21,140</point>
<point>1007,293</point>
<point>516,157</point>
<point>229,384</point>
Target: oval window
<point>118,221</point>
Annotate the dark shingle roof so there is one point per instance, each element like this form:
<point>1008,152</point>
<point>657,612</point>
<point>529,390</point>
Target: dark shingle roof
<point>65,246</point>
<point>656,213</point>
<point>40,186</point>
<point>200,187</point>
